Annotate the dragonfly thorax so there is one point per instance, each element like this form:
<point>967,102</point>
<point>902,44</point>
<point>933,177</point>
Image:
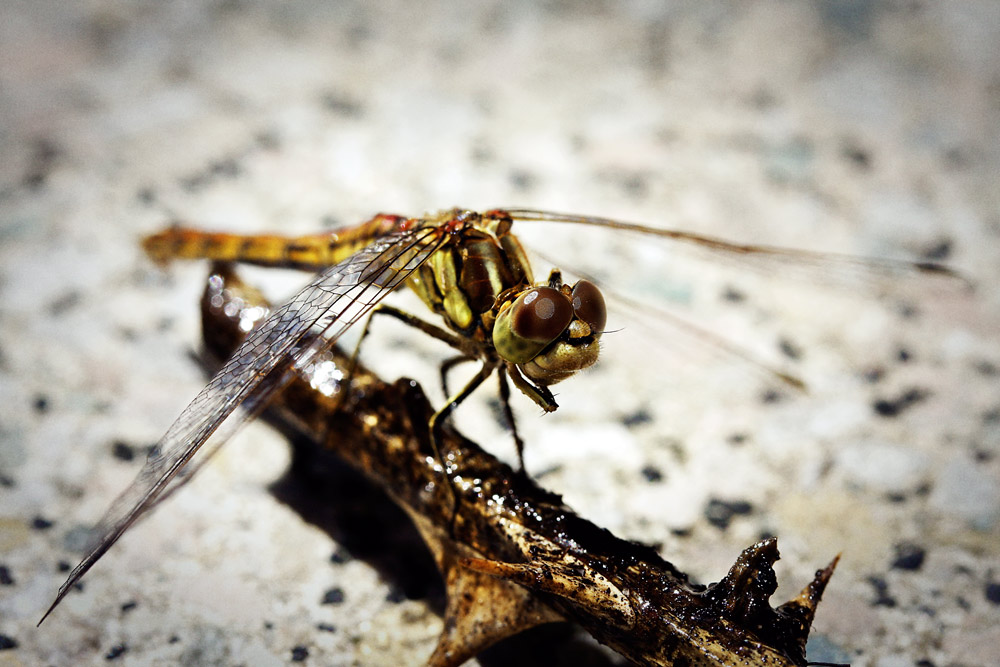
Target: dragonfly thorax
<point>463,279</point>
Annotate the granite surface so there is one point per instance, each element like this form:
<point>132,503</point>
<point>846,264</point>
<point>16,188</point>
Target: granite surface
<point>867,128</point>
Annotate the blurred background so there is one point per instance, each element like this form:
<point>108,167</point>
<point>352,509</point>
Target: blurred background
<point>866,128</point>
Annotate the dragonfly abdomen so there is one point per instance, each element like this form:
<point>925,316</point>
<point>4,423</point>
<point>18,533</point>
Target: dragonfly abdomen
<point>312,252</point>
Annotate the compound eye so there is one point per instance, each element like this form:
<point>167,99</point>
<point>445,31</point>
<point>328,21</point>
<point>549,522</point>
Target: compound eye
<point>541,314</point>
<point>588,304</point>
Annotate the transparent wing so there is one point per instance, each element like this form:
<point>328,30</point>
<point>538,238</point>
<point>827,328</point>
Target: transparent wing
<point>817,267</point>
<point>651,316</point>
<point>289,338</point>
<point>860,274</point>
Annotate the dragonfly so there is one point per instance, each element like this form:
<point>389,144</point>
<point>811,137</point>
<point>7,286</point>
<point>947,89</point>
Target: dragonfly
<point>467,267</point>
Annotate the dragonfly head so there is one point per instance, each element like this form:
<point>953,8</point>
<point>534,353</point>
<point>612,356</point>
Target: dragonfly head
<point>551,332</point>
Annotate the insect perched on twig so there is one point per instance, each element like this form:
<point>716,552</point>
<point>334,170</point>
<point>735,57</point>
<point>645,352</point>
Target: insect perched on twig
<point>467,267</point>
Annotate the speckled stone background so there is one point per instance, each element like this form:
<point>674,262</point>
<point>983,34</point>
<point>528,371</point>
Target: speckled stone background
<point>868,128</point>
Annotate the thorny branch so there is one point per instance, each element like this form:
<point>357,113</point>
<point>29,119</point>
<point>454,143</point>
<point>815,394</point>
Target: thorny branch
<point>512,555</point>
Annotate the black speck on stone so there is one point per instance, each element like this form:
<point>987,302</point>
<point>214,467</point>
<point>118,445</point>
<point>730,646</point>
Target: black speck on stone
<point>5,577</point>
<point>43,159</point>
<point>790,349</point>
<point>874,375</point>
<point>882,597</point>
<point>116,652</point>
<point>63,566</point>
<point>122,451</point>
<point>6,482</point>
<point>326,627</point>
<point>763,98</point>
<point>146,196</point>
<point>908,557</point>
<point>907,311</point>
<point>858,156</point>
<point>903,355</point>
<point>226,168</point>
<point>770,397</point>
<point>939,251</point>
<point>652,474</point>
<point>884,407</point>
<point>7,642</point>
<point>339,557</point>
<point>956,157</point>
<point>333,596</point>
<point>482,154</point>
<point>33,180</point>
<point>300,653</point>
<point>45,151</point>
<point>40,523</point>
<point>128,334</point>
<point>64,303</point>
<point>987,368</point>
<point>192,183</point>
<point>733,295</point>
<point>129,606</point>
<point>342,105</point>
<point>992,592</point>
<point>268,140</point>
<point>637,418</point>
<point>635,185</point>
<point>991,416</point>
<point>721,512</point>
<point>41,404</point>
<point>737,439</point>
<point>395,595</point>
<point>165,324</point>
<point>173,639</point>
<point>522,180</point>
<point>924,663</point>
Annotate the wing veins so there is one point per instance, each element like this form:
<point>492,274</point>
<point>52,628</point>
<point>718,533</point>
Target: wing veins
<point>820,266</point>
<point>370,274</point>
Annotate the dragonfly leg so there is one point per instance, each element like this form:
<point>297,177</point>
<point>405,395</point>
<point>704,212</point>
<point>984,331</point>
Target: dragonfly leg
<point>432,330</point>
<point>436,423</point>
<point>536,392</point>
<point>509,415</point>
<point>415,322</point>
<point>446,367</point>
<point>504,401</point>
